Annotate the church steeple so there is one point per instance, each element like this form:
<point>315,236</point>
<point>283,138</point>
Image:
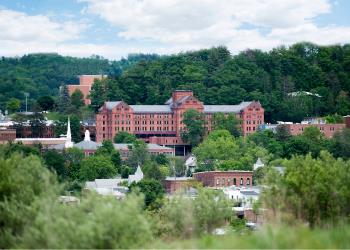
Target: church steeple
<point>69,143</point>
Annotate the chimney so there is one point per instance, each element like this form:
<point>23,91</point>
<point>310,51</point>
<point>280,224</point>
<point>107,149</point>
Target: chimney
<point>178,94</point>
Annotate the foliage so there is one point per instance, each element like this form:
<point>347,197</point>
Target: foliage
<point>139,154</point>
<point>341,147</point>
<point>333,119</point>
<point>177,167</point>
<point>77,99</point>
<point>46,102</point>
<point>55,162</point>
<point>312,189</point>
<point>97,167</point>
<point>229,123</point>
<point>64,101</point>
<point>152,190</point>
<point>222,151</point>
<point>194,127</point>
<point>13,105</point>
<point>124,137</point>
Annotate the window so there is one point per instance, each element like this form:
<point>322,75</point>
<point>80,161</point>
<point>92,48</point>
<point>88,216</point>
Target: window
<point>234,181</point>
<point>248,181</point>
<point>223,181</point>
<point>217,182</point>
<point>241,182</point>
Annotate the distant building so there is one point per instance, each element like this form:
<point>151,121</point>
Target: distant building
<point>107,187</point>
<point>163,124</point>
<point>347,121</point>
<point>89,147</point>
<point>298,128</point>
<point>225,178</point>
<point>85,85</point>
<point>327,129</point>
<point>245,197</point>
<point>7,135</point>
<point>175,184</point>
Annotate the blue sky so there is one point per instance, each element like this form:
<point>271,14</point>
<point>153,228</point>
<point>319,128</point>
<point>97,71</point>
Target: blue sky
<point>115,28</point>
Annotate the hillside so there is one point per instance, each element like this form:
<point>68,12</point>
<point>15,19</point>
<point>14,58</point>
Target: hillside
<point>215,76</point>
<point>41,74</point>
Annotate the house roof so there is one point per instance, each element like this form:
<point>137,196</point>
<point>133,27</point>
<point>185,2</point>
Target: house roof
<point>88,145</point>
<point>103,183</point>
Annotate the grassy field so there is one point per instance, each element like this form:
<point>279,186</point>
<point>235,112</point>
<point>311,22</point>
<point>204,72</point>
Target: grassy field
<point>268,238</point>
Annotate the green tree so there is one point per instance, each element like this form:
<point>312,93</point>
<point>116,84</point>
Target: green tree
<point>97,167</point>
<point>282,132</point>
<point>312,189</point>
<point>55,162</point>
<point>139,154</point>
<point>341,147</point>
<point>77,99</point>
<point>72,159</point>
<point>229,123</point>
<point>152,190</point>
<point>46,103</point>
<point>124,137</point>
<point>194,127</point>
<point>64,101</point>
<point>13,105</point>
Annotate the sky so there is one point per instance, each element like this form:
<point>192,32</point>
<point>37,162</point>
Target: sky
<point>115,28</point>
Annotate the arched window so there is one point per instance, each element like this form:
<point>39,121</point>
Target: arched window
<point>248,181</point>
<point>234,182</point>
<point>241,182</point>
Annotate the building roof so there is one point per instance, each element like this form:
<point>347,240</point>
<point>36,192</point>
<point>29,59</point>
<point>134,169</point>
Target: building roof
<point>111,105</point>
<point>103,183</point>
<point>169,178</point>
<point>226,108</point>
<point>88,145</point>
<point>151,108</point>
<point>248,192</point>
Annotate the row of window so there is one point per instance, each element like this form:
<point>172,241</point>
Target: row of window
<point>231,182</point>
<point>253,122</point>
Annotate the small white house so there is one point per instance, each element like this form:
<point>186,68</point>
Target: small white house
<point>245,196</point>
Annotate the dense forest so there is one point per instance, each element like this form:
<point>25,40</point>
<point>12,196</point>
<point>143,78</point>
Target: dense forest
<point>41,74</point>
<point>291,82</point>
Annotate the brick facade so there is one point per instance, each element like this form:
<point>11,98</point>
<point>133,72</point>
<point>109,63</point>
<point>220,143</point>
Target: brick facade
<point>225,178</point>
<point>162,124</point>
<point>7,135</point>
<point>85,85</point>
<point>327,129</point>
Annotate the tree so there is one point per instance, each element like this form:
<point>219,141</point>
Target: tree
<point>64,101</point>
<point>97,167</point>
<point>55,162</point>
<point>46,103</point>
<point>13,105</point>
<point>72,159</point>
<point>194,127</point>
<point>312,189</point>
<point>37,124</point>
<point>222,151</point>
<point>151,189</point>
<point>77,99</point>
<point>139,154</point>
<point>341,146</point>
<point>152,171</point>
<point>229,123</point>
<point>282,132</point>
<point>177,167</point>
<point>124,137</point>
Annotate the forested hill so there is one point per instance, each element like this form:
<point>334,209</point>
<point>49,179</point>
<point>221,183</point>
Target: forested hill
<point>41,74</point>
<point>216,77</point>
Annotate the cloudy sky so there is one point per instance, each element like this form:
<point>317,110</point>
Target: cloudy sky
<point>115,28</point>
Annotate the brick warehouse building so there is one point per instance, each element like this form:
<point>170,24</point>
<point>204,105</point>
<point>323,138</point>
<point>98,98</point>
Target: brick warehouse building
<point>162,124</point>
<point>225,178</point>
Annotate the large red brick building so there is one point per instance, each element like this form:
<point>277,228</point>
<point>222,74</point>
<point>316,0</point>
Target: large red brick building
<point>85,85</point>
<point>162,124</point>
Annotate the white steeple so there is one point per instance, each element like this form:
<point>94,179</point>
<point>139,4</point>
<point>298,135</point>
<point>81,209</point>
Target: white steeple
<point>69,143</point>
<point>258,164</point>
<point>87,135</point>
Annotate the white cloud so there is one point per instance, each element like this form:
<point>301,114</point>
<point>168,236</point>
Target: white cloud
<point>171,26</point>
<point>18,26</point>
<point>193,24</point>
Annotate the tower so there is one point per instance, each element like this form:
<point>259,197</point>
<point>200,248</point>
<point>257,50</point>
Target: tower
<point>69,143</point>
